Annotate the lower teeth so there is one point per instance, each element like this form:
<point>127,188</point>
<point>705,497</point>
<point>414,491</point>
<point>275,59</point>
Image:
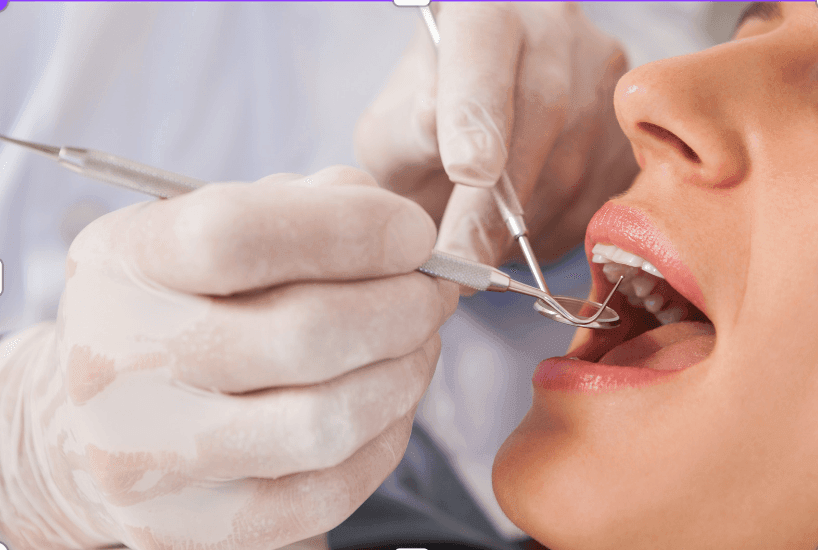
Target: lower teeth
<point>653,303</point>
<point>670,315</point>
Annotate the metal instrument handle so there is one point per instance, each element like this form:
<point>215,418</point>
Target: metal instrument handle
<point>465,272</point>
<point>127,173</point>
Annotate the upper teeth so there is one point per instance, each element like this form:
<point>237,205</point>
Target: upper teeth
<point>606,253</point>
<point>638,287</point>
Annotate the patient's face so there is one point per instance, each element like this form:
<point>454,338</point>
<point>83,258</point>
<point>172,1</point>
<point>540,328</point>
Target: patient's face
<point>694,435</point>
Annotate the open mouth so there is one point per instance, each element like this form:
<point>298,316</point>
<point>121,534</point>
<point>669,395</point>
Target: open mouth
<point>664,326</point>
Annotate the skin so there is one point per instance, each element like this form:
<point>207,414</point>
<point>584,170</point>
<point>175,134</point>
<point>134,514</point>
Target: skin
<point>724,454</point>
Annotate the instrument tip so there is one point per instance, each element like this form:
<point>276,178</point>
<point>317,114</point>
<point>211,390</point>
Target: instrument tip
<point>47,150</point>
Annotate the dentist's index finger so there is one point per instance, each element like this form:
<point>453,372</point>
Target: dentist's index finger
<point>477,64</point>
<point>232,238</point>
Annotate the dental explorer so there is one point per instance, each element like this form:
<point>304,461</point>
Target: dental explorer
<point>503,191</point>
<point>163,184</point>
<point>509,205</point>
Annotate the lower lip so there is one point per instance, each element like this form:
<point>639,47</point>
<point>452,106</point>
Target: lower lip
<point>573,375</point>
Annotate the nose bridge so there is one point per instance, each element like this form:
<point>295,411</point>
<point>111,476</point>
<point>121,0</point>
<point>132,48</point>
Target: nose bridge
<point>682,112</point>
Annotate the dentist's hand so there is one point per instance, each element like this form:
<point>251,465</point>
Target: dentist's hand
<point>526,86</point>
<point>237,367</point>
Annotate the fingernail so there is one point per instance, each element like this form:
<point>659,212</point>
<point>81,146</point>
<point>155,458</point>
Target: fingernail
<point>475,153</point>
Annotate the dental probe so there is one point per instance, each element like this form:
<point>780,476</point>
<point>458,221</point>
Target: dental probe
<point>163,184</point>
<point>503,191</point>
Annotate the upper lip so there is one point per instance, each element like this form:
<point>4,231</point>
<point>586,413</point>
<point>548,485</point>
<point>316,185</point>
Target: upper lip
<point>632,230</point>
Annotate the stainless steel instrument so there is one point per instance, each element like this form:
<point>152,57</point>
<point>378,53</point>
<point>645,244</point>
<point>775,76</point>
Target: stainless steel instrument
<point>163,184</point>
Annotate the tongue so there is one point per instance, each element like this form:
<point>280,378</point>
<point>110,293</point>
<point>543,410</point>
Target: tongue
<point>669,347</point>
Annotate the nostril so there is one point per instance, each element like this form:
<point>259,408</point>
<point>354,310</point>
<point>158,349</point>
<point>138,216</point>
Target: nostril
<point>669,137</point>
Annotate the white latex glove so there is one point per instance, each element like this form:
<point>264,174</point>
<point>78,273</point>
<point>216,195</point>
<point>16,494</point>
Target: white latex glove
<point>527,86</point>
<point>234,368</point>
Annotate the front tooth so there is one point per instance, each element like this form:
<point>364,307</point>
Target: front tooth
<point>604,249</point>
<point>606,253</point>
<point>649,268</point>
<point>622,257</point>
<point>600,259</point>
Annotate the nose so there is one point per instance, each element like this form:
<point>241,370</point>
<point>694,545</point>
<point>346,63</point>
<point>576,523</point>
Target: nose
<point>680,116</point>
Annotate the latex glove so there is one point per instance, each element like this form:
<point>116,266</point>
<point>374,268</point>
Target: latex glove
<point>237,367</point>
<point>527,86</point>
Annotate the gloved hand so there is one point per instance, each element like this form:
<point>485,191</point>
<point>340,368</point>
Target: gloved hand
<point>237,367</point>
<point>527,86</point>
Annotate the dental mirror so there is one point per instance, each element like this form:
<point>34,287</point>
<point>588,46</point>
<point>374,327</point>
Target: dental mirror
<point>580,309</point>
